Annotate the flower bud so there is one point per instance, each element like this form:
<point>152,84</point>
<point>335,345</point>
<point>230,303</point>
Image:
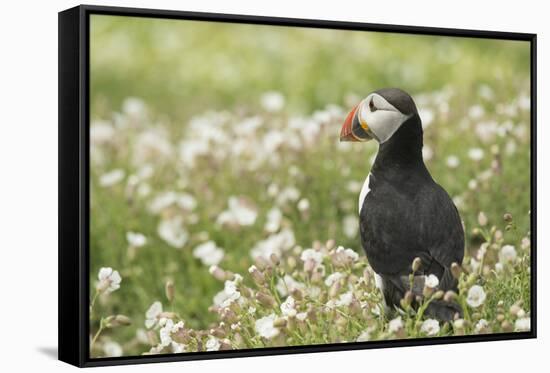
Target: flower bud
<point>456,270</point>
<point>514,309</point>
<point>291,262</point>
<point>116,320</point>
<point>217,332</point>
<point>416,264</point>
<point>274,259</point>
<point>296,294</point>
<point>438,294</point>
<point>482,219</point>
<point>506,326</point>
<point>218,273</point>
<point>169,291</point>
<point>265,299</point>
<point>407,299</point>
<point>279,322</point>
<point>225,344</point>
<point>507,217</point>
<point>256,275</point>
<point>427,291</point>
<point>449,296</point>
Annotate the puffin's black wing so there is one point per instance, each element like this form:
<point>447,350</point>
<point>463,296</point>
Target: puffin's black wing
<point>415,218</point>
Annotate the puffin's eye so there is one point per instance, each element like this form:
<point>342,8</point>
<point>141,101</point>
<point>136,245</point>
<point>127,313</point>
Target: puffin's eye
<point>371,105</point>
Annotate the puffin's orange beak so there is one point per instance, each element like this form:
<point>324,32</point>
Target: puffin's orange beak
<point>346,134</point>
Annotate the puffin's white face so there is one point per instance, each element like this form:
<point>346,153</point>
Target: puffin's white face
<point>381,118</point>
<point>374,118</point>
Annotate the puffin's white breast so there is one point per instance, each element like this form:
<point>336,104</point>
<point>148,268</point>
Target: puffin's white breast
<point>364,191</point>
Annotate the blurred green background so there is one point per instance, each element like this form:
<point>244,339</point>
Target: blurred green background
<point>472,93</point>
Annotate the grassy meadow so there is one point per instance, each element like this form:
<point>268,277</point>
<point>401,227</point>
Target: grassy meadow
<point>224,207</point>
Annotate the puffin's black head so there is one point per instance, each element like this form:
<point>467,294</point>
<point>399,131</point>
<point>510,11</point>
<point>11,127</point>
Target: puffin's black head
<point>378,116</point>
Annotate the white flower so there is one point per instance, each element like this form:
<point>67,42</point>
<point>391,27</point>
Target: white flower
<point>288,194</point>
<point>427,117</point>
<point>178,348</point>
<point>136,239</point>
<point>364,336</point>
<point>348,253</point>
<point>350,226</point>
<point>165,333</point>
<point>481,325</point>
<point>507,254</point>
<point>431,281</point>
<point>172,231</point>
<point>287,307</point>
<point>109,280</point>
<point>476,111</point>
<point>264,327</point>
<point>288,284</point>
<point>452,161</point>
<point>213,344</point>
<point>427,153</point>
<point>134,106</point>
<point>312,258</point>
<point>303,205</point>
<point>151,145</point>
<point>111,178</point>
<point>152,315</point>
<point>475,154</point>
<point>101,133</point>
<point>395,325</point>
<point>476,296</point>
<point>333,277</point>
<point>208,253</point>
<point>112,349</point>
<point>272,101</point>
<point>430,327</point>
<point>301,316</point>
<point>273,223</point>
<point>240,212</point>
<point>522,324</point>
<point>229,294</point>
<point>345,299</point>
<point>274,244</point>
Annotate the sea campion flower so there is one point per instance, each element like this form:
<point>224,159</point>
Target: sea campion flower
<point>136,239</point>
<point>112,349</point>
<point>240,213</point>
<point>312,259</point>
<point>213,344</point>
<point>345,299</point>
<point>208,253</point>
<point>522,324</point>
<point>333,278</point>
<point>507,254</point>
<point>265,328</point>
<point>172,232</point>
<point>287,307</point>
<point>475,154</point>
<point>431,281</point>
<point>274,218</point>
<point>452,161</point>
<point>430,327</point>
<point>350,226</point>
<point>229,294</point>
<point>152,315</point>
<point>481,326</point>
<point>111,178</point>
<point>272,101</point>
<point>395,325</point>
<point>109,280</point>
<point>476,296</point>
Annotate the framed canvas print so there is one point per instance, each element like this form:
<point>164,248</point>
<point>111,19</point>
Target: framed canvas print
<point>233,186</point>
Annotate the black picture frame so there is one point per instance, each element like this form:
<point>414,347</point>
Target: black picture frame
<point>74,192</point>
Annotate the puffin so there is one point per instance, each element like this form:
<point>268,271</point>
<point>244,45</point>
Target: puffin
<point>403,213</point>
